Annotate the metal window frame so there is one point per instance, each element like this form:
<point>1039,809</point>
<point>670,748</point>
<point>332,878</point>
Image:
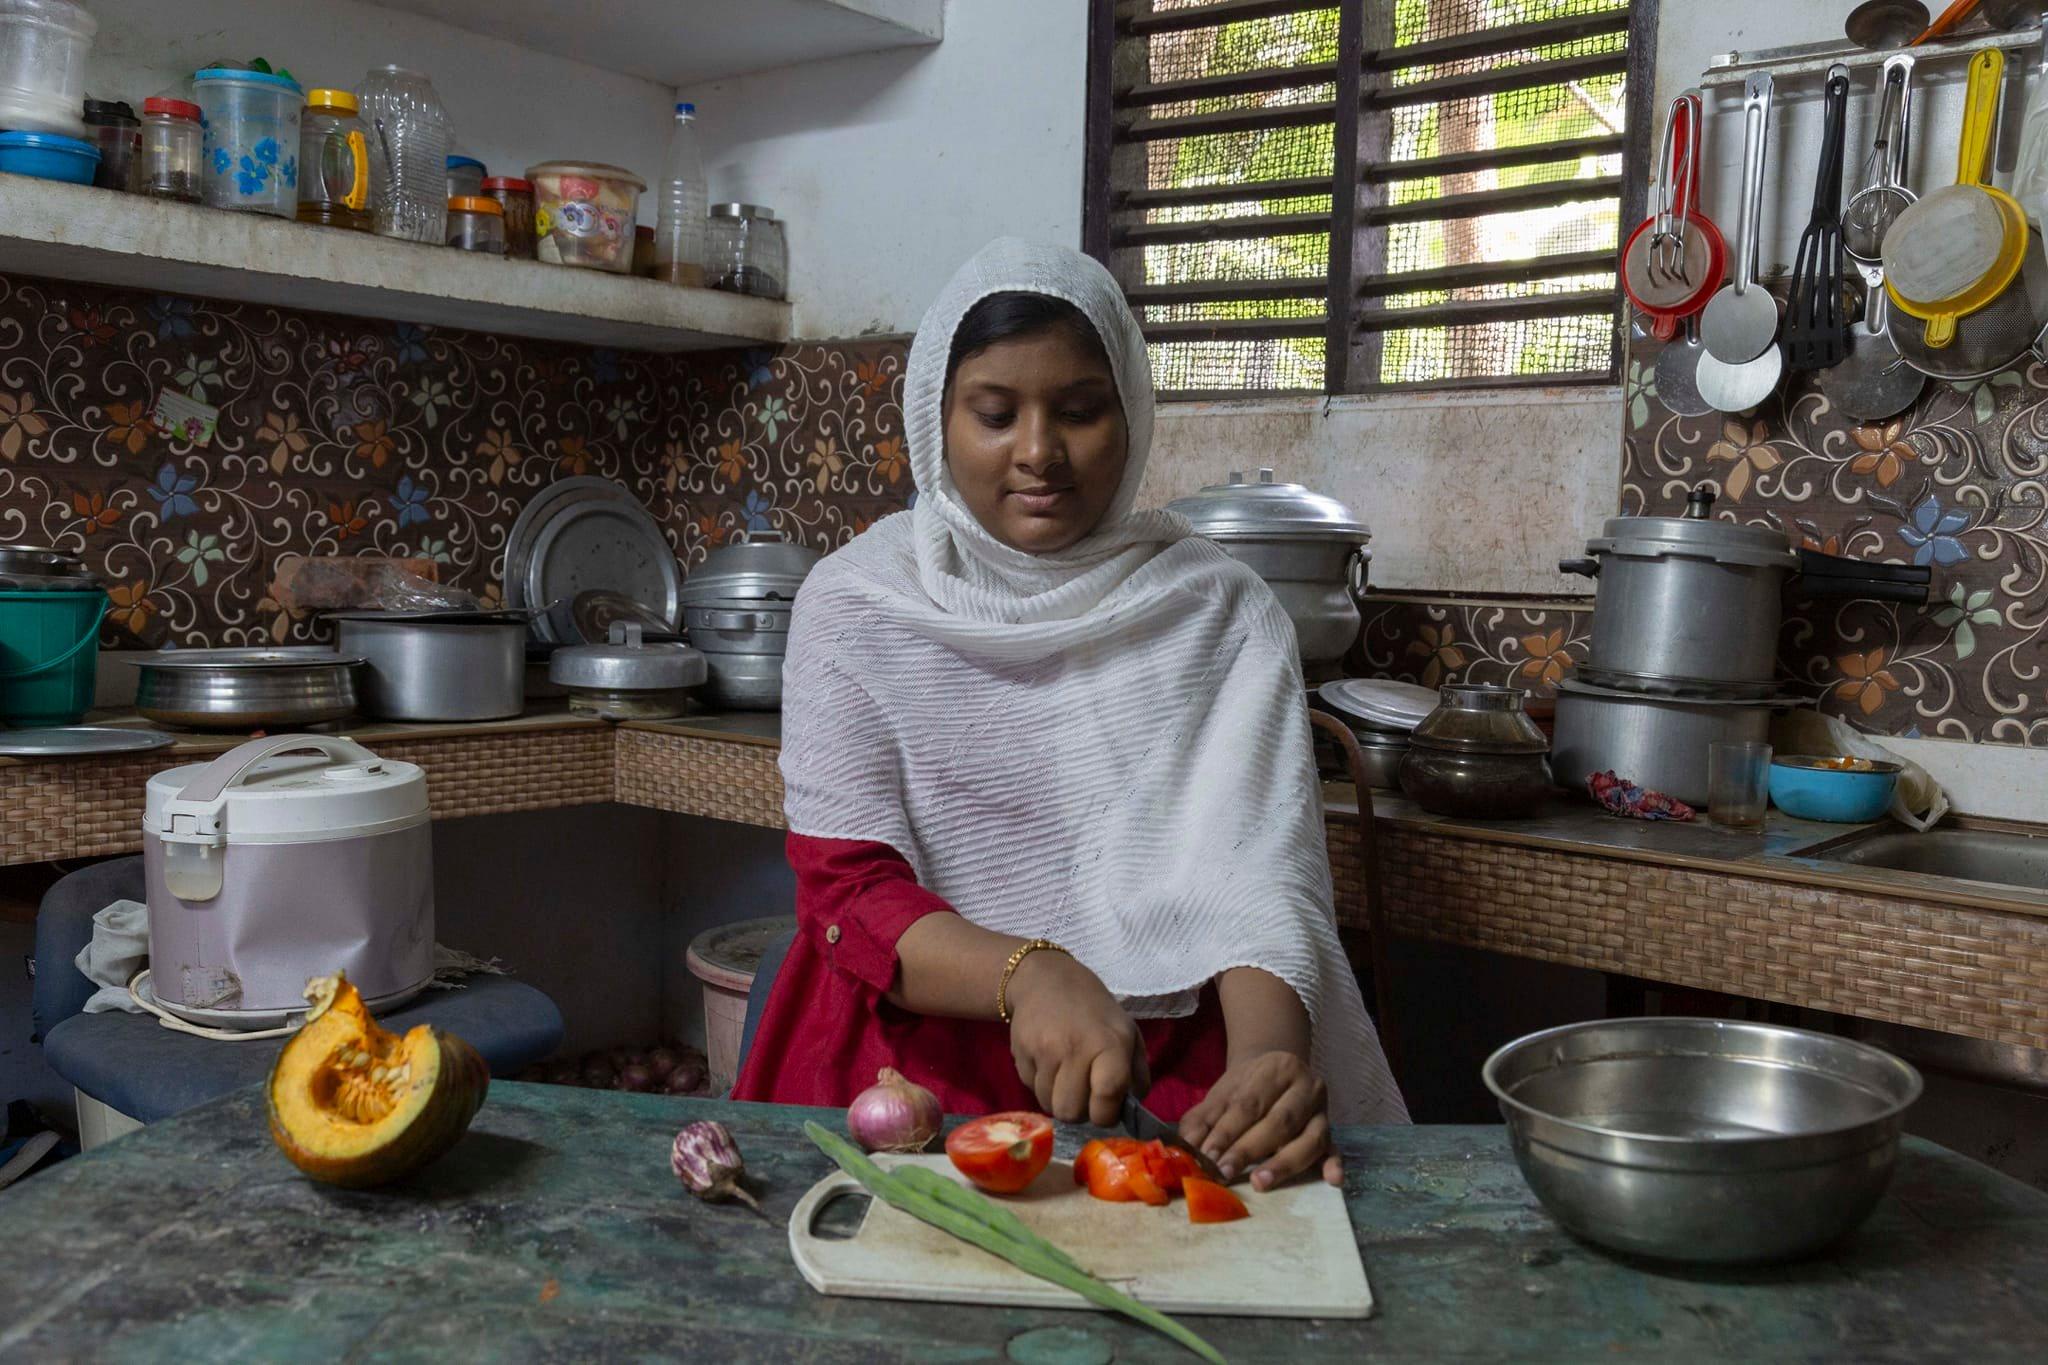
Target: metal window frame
<point>1120,121</point>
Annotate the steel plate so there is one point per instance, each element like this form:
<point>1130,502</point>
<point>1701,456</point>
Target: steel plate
<point>70,740</point>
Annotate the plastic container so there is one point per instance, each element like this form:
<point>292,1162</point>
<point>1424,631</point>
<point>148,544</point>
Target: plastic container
<point>117,133</point>
<point>584,212</point>
<point>334,163</point>
<point>43,49</point>
<point>681,235</point>
<point>515,197</point>
<point>49,654</point>
<point>643,251</point>
<point>748,254</point>
<point>47,156</point>
<point>465,177</point>
<point>1814,789</point>
<point>172,151</point>
<point>476,223</point>
<point>409,133</point>
<point>251,150</point>
<point>725,960</point>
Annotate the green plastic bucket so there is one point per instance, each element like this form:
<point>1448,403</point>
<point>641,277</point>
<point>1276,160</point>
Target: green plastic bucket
<point>48,662</point>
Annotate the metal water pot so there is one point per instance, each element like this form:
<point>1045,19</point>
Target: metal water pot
<point>1698,599</point>
<point>1309,548</point>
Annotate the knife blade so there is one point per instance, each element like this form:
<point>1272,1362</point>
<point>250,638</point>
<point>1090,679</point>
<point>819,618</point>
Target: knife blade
<point>1144,1125</point>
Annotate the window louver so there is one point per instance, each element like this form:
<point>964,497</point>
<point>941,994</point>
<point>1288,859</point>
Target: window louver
<point>1370,195</point>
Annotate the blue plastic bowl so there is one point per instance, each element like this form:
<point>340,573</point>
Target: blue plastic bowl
<point>1845,796</point>
<point>47,156</point>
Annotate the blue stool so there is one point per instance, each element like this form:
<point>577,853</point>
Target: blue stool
<point>129,1070</point>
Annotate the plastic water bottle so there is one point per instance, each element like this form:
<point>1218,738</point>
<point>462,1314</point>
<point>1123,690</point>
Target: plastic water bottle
<point>680,231</point>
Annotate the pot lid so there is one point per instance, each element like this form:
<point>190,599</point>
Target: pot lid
<point>627,663</point>
<point>595,610</point>
<point>69,740</point>
<point>1698,534</point>
<point>763,566</point>
<point>441,616</point>
<point>285,789</point>
<point>1380,703</point>
<point>1268,510</point>
<point>1575,687</point>
<point>47,560</point>
<point>294,656</point>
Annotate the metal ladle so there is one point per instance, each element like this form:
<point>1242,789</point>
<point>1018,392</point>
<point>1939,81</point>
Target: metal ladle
<point>1876,25</point>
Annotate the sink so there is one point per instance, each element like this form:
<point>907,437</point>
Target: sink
<point>1977,855</point>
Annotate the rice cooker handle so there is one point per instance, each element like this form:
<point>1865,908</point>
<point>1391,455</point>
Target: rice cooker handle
<point>201,802</point>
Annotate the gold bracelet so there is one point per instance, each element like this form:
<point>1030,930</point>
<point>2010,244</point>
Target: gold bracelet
<point>1024,950</point>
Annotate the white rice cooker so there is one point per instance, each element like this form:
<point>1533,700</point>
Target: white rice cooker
<point>285,858</point>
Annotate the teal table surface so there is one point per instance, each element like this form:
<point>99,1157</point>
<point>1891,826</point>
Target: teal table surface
<point>554,1231</point>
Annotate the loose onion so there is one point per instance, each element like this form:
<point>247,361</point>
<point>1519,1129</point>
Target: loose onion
<point>893,1115</point>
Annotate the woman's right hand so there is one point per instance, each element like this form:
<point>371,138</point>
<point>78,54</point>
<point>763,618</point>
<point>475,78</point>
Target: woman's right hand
<point>1076,1048</point>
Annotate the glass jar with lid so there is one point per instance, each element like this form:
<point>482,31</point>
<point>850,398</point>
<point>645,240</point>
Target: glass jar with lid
<point>515,197</point>
<point>113,127</point>
<point>172,145</point>
<point>748,254</point>
<point>465,177</point>
<point>334,160</point>
<point>476,223</point>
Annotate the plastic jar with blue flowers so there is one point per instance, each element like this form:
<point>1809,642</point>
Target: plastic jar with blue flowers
<point>251,152</point>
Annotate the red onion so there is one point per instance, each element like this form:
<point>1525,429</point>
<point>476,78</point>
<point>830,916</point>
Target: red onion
<point>706,1159</point>
<point>661,1061</point>
<point>634,1076</point>
<point>893,1115</point>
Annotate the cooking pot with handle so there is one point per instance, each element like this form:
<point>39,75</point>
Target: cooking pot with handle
<point>1696,599</point>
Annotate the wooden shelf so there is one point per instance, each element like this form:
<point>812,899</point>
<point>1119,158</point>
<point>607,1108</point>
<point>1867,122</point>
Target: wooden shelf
<point>697,41</point>
<point>76,232</point>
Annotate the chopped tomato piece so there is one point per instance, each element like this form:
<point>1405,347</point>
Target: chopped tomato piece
<point>1002,1153</point>
<point>1168,1165</point>
<point>1109,1177</point>
<point>1209,1202</point>
<point>1096,1147</point>
<point>1138,1173</point>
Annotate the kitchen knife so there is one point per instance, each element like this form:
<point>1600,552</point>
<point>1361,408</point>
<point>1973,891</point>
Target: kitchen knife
<point>1144,1125</point>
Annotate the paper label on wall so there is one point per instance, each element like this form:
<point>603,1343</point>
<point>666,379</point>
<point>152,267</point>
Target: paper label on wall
<point>184,418</point>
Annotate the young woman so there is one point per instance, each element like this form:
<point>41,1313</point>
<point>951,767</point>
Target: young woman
<point>1052,804</point>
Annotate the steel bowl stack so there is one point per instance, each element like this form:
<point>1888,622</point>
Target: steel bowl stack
<point>736,608</point>
<point>1382,714</point>
<point>1685,642</point>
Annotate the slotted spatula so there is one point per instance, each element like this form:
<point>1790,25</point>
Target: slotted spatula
<point>1816,329</point>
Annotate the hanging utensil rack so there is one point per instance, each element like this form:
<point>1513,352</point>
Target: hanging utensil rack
<point>1804,59</point>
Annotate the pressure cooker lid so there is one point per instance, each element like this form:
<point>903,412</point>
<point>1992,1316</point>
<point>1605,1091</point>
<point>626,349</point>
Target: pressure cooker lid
<point>762,566</point>
<point>628,663</point>
<point>342,791</point>
<point>1266,510</point>
<point>1698,534</point>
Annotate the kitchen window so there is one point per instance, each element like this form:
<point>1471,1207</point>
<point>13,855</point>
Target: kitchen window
<point>1368,196</point>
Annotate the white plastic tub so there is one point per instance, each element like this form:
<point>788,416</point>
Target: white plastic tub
<point>43,48</point>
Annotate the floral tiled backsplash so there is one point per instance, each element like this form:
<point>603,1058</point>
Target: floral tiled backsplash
<point>1959,482</point>
<point>340,436</point>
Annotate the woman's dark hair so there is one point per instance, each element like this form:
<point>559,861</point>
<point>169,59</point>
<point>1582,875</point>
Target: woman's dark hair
<point>1005,317</point>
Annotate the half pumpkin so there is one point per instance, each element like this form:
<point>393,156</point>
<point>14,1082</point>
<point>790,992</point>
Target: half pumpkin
<point>352,1104</point>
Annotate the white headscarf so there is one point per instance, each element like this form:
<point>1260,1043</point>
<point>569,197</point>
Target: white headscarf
<point>1107,746</point>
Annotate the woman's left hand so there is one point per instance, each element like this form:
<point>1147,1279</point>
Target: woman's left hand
<point>1268,1110</point>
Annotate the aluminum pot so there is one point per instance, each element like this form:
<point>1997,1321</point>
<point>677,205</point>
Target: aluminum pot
<point>245,689</point>
<point>444,665</point>
<point>736,610</point>
<point>1699,599</point>
<point>1657,742</point>
<point>1700,1139</point>
<point>1309,548</point>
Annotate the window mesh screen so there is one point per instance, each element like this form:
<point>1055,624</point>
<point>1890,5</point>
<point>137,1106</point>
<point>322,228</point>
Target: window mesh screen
<point>1227,183</point>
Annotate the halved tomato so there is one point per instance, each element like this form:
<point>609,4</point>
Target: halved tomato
<point>1209,1202</point>
<point>1002,1153</point>
<point>1168,1165</point>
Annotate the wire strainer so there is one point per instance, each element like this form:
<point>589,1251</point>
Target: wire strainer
<point>1872,210</point>
<point>1986,341</point>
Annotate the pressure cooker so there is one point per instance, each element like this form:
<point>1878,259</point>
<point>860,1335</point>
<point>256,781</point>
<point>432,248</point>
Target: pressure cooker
<point>1309,548</point>
<point>1696,599</point>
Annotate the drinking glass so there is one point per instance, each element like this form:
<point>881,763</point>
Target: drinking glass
<point>1738,784</point>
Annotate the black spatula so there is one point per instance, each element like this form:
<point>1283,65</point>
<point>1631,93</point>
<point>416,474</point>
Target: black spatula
<point>1816,328</point>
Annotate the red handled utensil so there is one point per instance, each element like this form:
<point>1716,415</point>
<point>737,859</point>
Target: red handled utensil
<point>1676,258</point>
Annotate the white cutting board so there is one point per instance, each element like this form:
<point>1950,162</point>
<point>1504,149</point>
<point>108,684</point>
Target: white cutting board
<point>1295,1257</point>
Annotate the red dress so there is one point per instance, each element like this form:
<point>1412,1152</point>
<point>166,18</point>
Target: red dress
<point>829,1026</point>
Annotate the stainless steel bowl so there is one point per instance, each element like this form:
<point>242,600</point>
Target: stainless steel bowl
<point>245,689</point>
<point>1702,1140</point>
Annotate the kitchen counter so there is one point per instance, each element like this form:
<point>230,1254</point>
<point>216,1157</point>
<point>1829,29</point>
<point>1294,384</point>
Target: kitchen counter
<point>555,1230</point>
<point>1691,905</point>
